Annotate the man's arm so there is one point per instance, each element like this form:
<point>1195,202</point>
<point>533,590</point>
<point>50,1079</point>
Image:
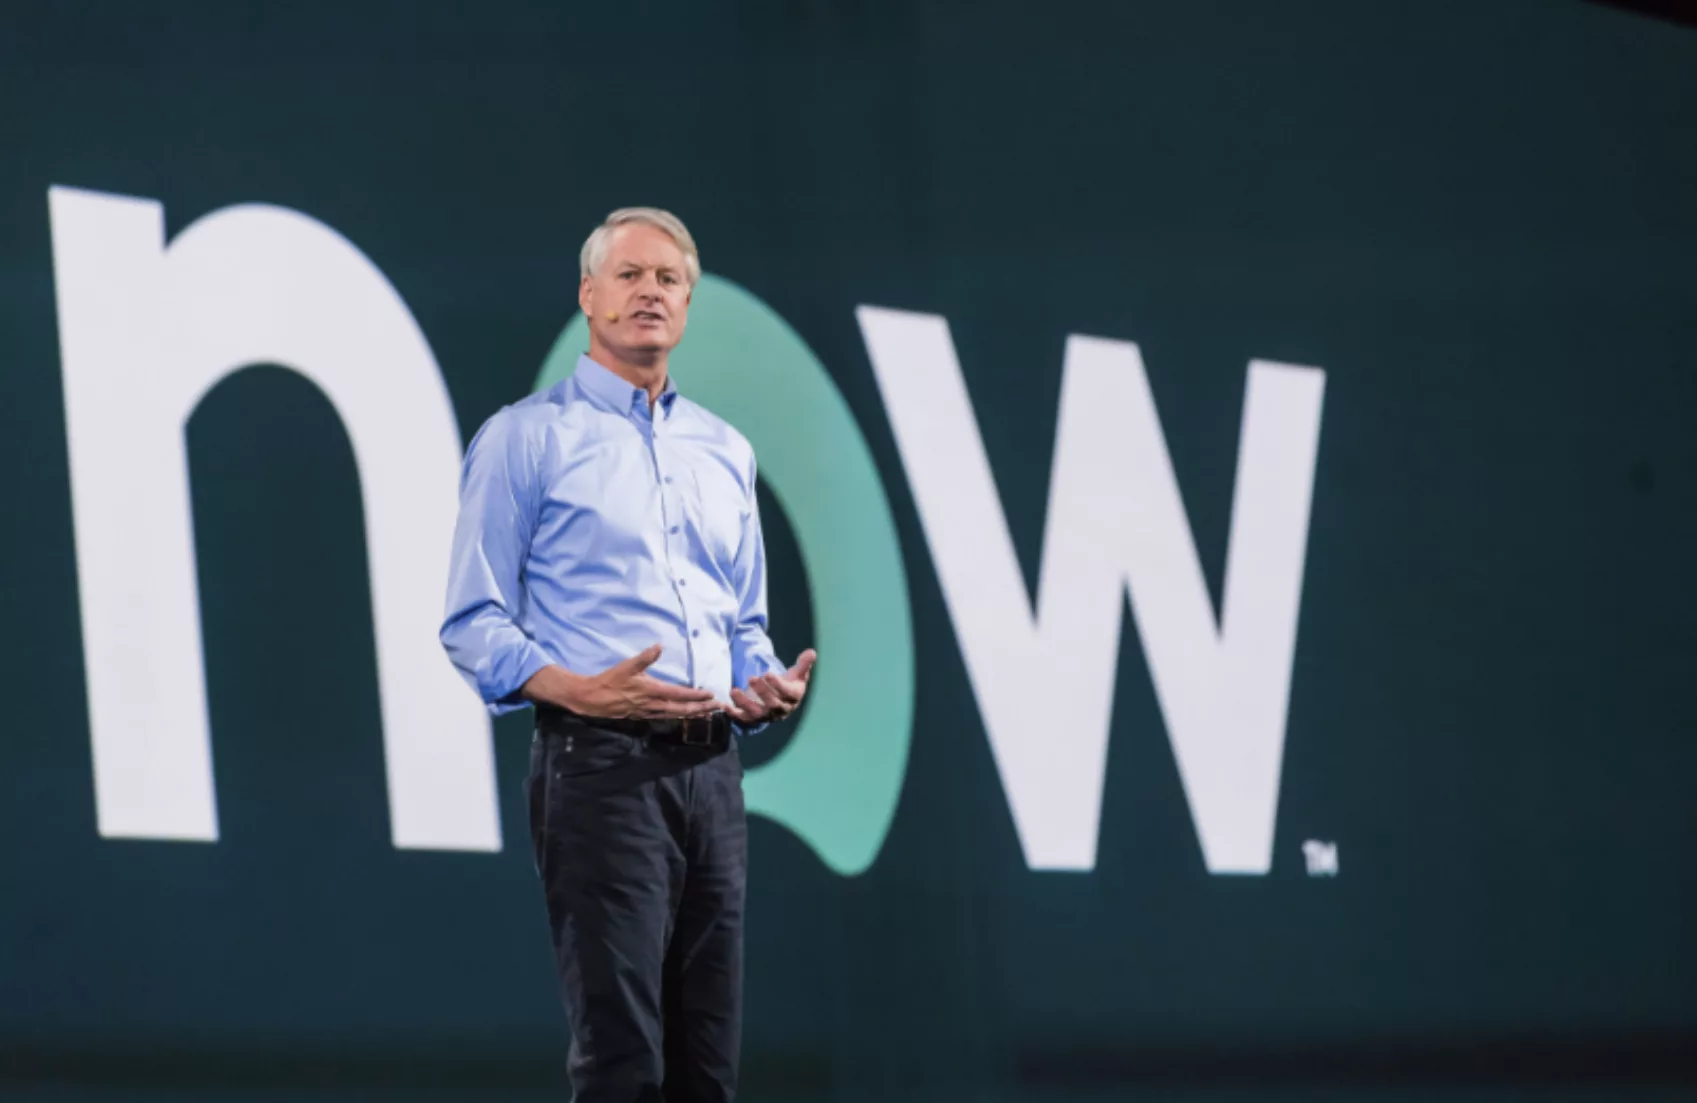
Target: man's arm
<point>752,653</point>
<point>499,500</point>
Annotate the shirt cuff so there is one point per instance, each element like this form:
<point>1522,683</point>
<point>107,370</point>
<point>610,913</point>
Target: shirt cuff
<point>753,667</point>
<point>512,700</point>
<point>741,729</point>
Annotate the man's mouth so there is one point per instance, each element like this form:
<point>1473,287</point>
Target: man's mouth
<point>647,316</point>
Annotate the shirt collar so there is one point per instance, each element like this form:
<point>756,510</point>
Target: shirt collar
<point>606,387</point>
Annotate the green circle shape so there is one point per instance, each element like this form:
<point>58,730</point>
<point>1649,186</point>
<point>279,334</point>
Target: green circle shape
<point>837,782</point>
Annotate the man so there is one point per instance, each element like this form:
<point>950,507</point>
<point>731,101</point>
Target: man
<point>608,569</point>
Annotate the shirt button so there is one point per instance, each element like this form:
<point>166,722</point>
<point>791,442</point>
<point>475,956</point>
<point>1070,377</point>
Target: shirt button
<point>683,582</point>
<point>668,478</point>
<point>674,530</point>
<point>696,633</point>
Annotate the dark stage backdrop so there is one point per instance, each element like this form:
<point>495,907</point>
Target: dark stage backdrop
<point>1420,818</point>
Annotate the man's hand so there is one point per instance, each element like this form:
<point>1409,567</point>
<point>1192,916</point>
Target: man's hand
<point>619,692</point>
<point>772,697</point>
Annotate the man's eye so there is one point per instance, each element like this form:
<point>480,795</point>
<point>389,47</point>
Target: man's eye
<point>668,280</point>
<point>627,275</point>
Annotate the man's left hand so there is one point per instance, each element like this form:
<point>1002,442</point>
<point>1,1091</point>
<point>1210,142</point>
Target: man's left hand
<point>771,697</point>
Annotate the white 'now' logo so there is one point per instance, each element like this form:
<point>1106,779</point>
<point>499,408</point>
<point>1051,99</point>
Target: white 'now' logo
<point>147,329</point>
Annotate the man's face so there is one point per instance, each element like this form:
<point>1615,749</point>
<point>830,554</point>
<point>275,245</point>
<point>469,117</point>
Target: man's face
<point>644,283</point>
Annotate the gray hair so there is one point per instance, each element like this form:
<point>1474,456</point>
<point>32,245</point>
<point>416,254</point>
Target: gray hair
<point>595,248</point>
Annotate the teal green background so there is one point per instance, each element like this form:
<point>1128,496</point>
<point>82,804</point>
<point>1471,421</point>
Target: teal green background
<point>1478,218</point>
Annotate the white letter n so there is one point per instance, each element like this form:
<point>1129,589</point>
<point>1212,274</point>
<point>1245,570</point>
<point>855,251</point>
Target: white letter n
<point>145,332</point>
<point>1045,682</point>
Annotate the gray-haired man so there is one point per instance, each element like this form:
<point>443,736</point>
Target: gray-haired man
<point>608,569</point>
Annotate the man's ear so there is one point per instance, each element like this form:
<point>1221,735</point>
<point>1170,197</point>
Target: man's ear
<point>586,297</point>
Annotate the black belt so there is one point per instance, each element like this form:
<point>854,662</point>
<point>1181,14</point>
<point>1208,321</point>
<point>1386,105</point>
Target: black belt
<point>707,733</point>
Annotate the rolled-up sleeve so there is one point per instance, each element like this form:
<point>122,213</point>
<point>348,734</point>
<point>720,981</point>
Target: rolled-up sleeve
<point>498,506</point>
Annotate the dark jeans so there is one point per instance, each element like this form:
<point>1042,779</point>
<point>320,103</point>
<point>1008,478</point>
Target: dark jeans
<point>642,848</point>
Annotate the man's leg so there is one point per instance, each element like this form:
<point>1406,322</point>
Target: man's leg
<point>703,972</point>
<point>605,820</point>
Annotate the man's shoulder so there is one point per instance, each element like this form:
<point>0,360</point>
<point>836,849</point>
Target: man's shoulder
<point>718,429</point>
<point>522,421</point>
<point>540,408</point>
<point>533,410</point>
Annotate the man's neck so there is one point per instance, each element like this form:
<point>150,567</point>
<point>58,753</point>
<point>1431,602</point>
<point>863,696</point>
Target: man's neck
<point>647,371</point>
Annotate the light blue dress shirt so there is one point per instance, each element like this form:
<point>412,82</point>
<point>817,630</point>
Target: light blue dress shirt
<point>590,529</point>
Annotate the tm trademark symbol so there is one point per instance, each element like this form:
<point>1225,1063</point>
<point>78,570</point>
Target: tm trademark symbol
<point>1322,858</point>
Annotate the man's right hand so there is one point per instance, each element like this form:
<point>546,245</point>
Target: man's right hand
<point>621,691</point>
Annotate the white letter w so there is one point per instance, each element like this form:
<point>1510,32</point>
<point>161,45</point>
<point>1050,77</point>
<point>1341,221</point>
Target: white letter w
<point>1045,683</point>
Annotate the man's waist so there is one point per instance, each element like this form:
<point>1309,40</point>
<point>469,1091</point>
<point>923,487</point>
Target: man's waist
<point>712,732</point>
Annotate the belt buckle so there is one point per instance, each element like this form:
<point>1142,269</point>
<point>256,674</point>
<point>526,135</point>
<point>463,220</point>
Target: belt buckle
<point>696,731</point>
